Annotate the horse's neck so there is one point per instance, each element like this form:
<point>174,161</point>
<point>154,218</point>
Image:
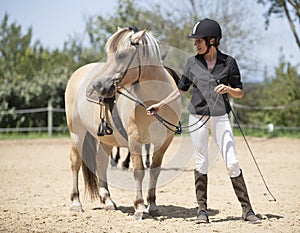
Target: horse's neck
<point>154,73</point>
<point>155,84</point>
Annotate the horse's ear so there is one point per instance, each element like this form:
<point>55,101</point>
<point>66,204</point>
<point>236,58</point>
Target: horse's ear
<point>137,36</point>
<point>119,29</point>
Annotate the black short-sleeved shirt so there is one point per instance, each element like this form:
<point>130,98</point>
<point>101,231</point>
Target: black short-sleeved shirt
<point>205,101</point>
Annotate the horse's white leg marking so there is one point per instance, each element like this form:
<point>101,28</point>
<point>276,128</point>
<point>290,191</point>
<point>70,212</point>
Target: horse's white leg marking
<point>102,164</point>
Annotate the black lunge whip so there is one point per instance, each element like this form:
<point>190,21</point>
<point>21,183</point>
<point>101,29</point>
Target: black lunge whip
<point>245,139</point>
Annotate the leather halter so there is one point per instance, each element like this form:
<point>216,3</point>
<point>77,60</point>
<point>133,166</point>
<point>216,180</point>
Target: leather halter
<point>104,127</point>
<point>117,80</point>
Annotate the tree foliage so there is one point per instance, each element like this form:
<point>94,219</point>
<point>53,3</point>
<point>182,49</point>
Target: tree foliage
<point>282,91</point>
<point>31,75</point>
<point>285,8</point>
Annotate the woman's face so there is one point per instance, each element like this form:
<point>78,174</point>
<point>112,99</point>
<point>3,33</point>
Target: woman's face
<point>200,45</point>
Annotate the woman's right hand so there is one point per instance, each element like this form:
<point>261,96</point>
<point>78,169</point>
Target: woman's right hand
<point>153,108</point>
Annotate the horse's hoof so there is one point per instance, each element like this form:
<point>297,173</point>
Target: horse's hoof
<point>154,212</point>
<point>153,209</point>
<point>125,165</point>
<point>109,205</point>
<point>113,164</point>
<point>76,208</point>
<point>141,214</point>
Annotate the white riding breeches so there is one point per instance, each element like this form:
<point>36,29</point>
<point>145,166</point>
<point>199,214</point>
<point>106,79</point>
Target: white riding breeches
<point>220,129</point>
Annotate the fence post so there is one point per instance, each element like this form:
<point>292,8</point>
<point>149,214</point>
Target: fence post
<point>270,127</point>
<point>50,118</point>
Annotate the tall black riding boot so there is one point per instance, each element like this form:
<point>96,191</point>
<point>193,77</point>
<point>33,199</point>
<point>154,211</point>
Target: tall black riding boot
<point>201,196</point>
<point>240,190</point>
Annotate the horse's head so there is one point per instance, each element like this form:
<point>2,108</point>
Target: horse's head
<point>128,50</point>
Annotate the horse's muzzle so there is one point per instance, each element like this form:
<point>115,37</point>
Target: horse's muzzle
<point>105,87</point>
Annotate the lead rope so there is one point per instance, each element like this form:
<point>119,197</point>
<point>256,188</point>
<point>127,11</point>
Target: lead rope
<point>166,123</point>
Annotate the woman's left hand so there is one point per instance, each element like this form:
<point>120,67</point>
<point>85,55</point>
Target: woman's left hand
<point>222,89</point>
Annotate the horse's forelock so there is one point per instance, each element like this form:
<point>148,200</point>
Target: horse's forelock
<point>118,41</point>
<point>122,40</point>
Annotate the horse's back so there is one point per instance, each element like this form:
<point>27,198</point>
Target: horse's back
<point>76,78</point>
<point>73,87</point>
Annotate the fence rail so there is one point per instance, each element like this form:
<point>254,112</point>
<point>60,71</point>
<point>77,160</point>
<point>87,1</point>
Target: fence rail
<point>50,128</point>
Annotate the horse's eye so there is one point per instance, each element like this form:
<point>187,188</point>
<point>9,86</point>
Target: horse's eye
<point>121,55</point>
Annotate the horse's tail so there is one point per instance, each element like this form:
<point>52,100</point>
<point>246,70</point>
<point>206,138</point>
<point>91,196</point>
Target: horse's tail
<point>89,166</point>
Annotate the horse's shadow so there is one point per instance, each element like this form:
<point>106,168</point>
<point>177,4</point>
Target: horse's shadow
<point>270,216</point>
<point>170,211</point>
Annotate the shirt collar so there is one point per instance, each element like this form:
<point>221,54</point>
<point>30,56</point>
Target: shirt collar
<point>221,57</point>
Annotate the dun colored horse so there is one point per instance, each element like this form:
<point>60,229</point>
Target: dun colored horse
<point>134,77</point>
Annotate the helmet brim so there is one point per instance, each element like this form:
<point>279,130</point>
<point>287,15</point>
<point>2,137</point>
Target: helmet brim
<point>195,36</point>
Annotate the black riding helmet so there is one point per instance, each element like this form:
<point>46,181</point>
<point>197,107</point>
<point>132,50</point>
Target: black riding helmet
<point>207,29</point>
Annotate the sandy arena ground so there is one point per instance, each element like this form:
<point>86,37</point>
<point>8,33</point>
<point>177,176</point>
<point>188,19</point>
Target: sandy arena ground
<point>36,183</point>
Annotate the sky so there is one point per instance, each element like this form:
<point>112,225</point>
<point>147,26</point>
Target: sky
<point>54,21</point>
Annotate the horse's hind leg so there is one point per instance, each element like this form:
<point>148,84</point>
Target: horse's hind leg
<point>125,163</point>
<point>114,160</point>
<point>102,164</point>
<point>147,147</point>
<point>76,163</point>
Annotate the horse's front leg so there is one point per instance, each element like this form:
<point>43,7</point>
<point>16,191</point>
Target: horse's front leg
<point>155,169</point>
<point>102,164</point>
<point>76,163</point>
<point>141,211</point>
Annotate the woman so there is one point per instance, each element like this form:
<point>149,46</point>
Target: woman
<point>213,75</point>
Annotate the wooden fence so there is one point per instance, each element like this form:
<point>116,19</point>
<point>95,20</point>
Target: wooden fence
<point>50,128</point>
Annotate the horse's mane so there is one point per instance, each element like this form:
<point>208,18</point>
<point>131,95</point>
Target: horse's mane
<point>121,40</point>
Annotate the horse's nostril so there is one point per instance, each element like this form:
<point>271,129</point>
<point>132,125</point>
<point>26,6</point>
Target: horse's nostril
<point>102,91</point>
<point>97,86</point>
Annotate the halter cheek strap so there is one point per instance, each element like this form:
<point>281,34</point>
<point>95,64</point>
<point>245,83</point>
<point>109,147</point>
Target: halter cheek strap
<point>120,78</point>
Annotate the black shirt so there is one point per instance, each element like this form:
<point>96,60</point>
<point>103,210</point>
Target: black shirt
<point>205,101</point>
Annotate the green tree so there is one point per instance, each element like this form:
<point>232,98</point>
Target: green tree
<point>13,47</point>
<point>172,24</point>
<point>285,8</point>
<point>30,76</point>
<point>282,91</point>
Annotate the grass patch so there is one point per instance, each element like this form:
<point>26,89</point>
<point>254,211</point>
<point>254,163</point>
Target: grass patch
<point>236,131</point>
<point>265,134</point>
<point>32,135</point>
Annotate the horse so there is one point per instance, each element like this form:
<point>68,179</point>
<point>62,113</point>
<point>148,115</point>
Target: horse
<point>133,75</point>
<point>125,164</point>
